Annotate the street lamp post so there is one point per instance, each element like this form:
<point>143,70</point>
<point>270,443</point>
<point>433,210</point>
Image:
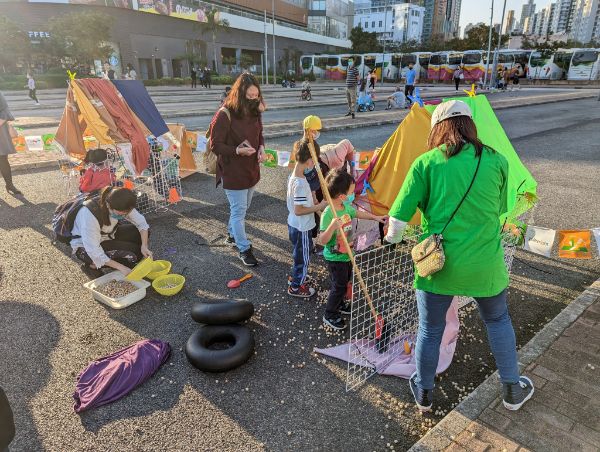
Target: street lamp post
<point>495,64</point>
<point>384,42</point>
<point>487,66</point>
<point>266,59</point>
<point>274,60</point>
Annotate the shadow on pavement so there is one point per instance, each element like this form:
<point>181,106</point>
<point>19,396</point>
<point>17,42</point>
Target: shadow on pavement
<point>29,335</point>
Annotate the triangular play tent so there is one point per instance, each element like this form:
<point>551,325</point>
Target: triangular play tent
<point>409,141</point>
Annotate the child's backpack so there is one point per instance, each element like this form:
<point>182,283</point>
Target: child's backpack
<point>64,216</point>
<point>210,159</point>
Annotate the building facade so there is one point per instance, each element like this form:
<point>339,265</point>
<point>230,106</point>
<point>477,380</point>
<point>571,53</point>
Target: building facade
<point>563,16</point>
<point>442,18</point>
<point>586,21</point>
<point>158,37</point>
<point>527,11</point>
<point>396,22</point>
<point>331,17</point>
<point>509,22</point>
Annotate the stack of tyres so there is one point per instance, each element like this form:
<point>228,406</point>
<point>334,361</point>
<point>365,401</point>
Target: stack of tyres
<point>220,325</point>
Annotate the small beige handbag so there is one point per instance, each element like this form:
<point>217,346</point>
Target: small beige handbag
<point>428,256</point>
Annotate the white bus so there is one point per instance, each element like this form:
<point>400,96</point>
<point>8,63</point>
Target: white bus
<point>585,65</point>
<point>539,66</point>
<point>473,65</point>
<point>317,64</point>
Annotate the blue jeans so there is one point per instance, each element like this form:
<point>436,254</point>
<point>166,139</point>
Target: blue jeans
<point>239,203</point>
<point>302,241</point>
<point>432,321</point>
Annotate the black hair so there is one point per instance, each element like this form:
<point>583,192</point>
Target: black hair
<point>339,182</point>
<point>302,152</point>
<point>120,199</point>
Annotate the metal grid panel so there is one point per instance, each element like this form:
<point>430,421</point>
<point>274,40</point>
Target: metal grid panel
<point>388,274</point>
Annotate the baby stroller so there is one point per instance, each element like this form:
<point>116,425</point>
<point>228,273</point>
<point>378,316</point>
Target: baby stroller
<point>365,102</point>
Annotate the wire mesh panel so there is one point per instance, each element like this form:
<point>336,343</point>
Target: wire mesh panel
<point>374,343</point>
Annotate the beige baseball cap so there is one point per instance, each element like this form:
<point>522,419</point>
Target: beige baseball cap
<point>450,109</point>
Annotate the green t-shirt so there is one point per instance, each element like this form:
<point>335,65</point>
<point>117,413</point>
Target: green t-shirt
<point>334,250</point>
<point>472,242</point>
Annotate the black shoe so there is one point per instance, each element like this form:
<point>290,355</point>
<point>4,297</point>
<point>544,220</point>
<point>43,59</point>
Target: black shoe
<point>515,395</point>
<point>13,190</point>
<point>348,114</point>
<point>229,240</point>
<point>346,308</point>
<point>247,257</point>
<point>423,397</point>
<point>352,115</point>
<point>336,323</point>
<point>92,273</point>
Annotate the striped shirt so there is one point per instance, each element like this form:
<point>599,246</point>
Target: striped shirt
<point>351,77</point>
<point>299,194</point>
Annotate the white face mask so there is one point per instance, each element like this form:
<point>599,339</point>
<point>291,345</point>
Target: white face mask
<point>316,135</point>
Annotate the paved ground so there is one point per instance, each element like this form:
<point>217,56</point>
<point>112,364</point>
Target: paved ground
<point>563,362</point>
<point>285,398</point>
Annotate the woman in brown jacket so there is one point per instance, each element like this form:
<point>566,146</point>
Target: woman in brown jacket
<point>237,139</point>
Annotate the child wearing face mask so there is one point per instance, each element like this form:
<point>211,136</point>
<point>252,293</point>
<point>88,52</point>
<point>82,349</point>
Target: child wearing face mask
<point>301,220</point>
<point>341,187</point>
<point>101,238</point>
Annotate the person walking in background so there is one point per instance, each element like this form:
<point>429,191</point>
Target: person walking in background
<point>458,72</point>
<point>31,87</point>
<point>411,79</point>
<point>201,76</point>
<point>131,72</point>
<point>372,78</point>
<point>460,188</point>
<point>194,76</point>
<point>352,80</point>
<point>207,78</point>
<point>236,138</point>
<point>6,146</point>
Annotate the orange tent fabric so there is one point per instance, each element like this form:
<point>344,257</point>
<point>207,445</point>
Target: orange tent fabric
<point>68,134</point>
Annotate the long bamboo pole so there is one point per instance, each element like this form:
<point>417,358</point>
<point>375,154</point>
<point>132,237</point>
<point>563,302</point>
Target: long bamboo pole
<point>376,317</point>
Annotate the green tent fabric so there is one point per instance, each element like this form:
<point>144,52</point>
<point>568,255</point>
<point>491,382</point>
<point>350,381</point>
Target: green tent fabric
<point>491,132</point>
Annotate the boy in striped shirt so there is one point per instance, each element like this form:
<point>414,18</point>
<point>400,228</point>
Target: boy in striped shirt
<point>301,219</point>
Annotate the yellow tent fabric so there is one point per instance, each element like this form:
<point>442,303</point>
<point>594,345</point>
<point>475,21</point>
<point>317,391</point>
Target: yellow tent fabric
<point>394,159</point>
<point>92,118</point>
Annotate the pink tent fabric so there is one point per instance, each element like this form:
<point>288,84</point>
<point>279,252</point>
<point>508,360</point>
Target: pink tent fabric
<point>403,365</point>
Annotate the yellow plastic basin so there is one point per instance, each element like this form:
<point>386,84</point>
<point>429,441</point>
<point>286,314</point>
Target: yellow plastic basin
<point>141,270</point>
<point>168,284</point>
<point>160,268</point>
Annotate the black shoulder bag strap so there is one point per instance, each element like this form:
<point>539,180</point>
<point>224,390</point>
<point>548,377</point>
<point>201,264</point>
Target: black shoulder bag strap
<point>465,196</point>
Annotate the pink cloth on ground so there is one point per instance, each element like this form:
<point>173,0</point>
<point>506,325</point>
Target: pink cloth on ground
<point>403,365</point>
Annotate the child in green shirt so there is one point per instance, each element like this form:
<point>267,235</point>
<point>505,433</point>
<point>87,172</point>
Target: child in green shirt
<point>341,188</point>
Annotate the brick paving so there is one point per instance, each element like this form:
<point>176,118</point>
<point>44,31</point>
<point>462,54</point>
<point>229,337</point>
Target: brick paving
<point>564,412</point>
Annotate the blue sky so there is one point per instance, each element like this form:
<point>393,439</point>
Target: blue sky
<point>479,10</point>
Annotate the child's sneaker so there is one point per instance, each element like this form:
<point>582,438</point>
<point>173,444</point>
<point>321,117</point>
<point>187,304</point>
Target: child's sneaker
<point>301,292</point>
<point>229,240</point>
<point>515,395</point>
<point>423,397</point>
<point>337,323</point>
<point>346,308</point>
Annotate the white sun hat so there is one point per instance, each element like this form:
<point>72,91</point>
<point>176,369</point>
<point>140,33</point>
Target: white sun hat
<point>450,109</point>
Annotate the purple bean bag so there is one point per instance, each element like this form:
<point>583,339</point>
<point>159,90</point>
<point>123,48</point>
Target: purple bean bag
<point>112,377</point>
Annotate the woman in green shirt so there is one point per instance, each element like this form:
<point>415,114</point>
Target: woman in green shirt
<point>474,267</point>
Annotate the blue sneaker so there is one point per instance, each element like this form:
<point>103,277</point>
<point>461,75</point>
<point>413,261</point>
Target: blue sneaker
<point>423,397</point>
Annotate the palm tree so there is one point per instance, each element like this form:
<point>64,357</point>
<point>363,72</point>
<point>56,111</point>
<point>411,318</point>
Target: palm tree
<point>214,25</point>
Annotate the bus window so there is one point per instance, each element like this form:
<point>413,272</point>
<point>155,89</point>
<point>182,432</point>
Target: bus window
<point>321,62</point>
<point>505,58</point>
<point>370,61</point>
<point>455,58</point>
<point>408,59</point>
<point>583,57</point>
<point>333,61</point>
<point>436,60</point>
<point>563,60</point>
<point>306,62</point>
<point>539,59</point>
<point>471,58</point>
<point>424,60</point>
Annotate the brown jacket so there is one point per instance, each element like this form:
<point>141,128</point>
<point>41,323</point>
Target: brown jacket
<point>235,171</point>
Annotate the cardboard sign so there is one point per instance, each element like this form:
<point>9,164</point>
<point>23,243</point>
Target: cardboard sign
<point>201,143</point>
<point>192,139</point>
<point>20,143</point>
<point>575,244</point>
<point>539,240</point>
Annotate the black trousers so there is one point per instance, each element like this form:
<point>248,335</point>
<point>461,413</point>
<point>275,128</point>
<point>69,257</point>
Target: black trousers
<point>194,84</point>
<point>5,170</point>
<point>32,95</point>
<point>409,91</point>
<point>125,248</point>
<point>457,83</point>
<point>340,274</point>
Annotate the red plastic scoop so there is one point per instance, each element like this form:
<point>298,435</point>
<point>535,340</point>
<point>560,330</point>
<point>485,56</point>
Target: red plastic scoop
<point>235,283</point>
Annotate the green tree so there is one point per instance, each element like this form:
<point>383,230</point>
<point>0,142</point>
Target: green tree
<point>363,41</point>
<point>82,37</point>
<point>477,38</point>
<point>214,25</point>
<point>14,43</point>
<point>246,61</point>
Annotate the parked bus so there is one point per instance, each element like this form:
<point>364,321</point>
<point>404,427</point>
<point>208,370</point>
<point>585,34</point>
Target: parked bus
<point>369,62</point>
<point>454,62</point>
<point>473,65</point>
<point>585,65</point>
<point>383,67</point>
<point>437,61</point>
<point>539,66</point>
<point>334,69</point>
<point>315,63</point>
<point>521,62</point>
<point>422,64</point>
